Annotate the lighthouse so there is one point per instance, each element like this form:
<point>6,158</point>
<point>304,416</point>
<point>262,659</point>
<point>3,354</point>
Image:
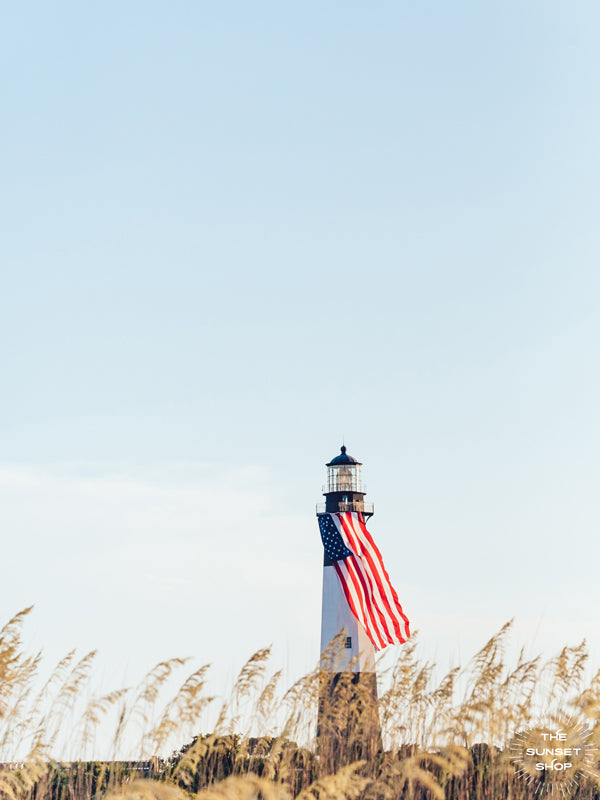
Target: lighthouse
<point>361,614</point>
<point>348,720</point>
<point>344,493</point>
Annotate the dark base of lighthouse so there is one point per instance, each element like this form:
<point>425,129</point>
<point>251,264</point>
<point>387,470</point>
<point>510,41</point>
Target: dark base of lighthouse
<point>348,726</point>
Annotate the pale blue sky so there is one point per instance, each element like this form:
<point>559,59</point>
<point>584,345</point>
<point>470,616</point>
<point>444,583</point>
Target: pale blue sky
<point>233,233</point>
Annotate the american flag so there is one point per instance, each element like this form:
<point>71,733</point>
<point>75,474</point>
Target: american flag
<point>373,600</point>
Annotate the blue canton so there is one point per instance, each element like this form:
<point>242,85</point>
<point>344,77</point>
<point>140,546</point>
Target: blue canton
<point>335,548</point>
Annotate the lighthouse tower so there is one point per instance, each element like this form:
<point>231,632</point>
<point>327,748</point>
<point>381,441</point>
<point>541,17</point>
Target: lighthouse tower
<point>348,722</point>
<point>344,492</point>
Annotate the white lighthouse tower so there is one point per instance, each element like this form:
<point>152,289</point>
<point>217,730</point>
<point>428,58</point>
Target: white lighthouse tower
<point>348,724</point>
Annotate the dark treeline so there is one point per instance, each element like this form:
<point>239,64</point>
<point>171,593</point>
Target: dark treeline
<point>475,773</point>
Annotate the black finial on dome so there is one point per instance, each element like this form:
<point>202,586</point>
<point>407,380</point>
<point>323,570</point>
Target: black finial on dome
<point>343,458</point>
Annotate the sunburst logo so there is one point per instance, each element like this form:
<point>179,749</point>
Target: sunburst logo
<point>554,758</point>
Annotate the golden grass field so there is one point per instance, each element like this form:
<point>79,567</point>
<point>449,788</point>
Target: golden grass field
<point>440,738</point>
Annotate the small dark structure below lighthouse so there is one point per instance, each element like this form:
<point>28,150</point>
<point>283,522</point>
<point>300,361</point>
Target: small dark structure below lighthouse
<point>348,726</point>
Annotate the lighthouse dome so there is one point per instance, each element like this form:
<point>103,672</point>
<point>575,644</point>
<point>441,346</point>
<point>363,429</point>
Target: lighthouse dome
<point>343,458</point>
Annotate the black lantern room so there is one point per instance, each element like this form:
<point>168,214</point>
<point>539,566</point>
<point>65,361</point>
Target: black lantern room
<point>344,490</point>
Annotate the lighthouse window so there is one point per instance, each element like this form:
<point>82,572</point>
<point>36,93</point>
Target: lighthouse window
<point>348,642</point>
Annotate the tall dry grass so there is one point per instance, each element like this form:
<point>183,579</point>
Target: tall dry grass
<point>440,738</point>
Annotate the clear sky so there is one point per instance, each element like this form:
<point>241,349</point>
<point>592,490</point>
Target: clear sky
<point>234,233</point>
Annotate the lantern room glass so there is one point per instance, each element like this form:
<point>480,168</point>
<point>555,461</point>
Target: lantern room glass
<point>344,478</point>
